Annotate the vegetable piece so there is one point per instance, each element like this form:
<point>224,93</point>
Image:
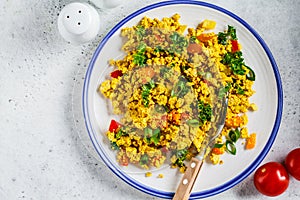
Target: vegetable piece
<point>139,58</point>
<point>176,117</point>
<point>180,89</point>
<point>229,34</point>
<point>144,159</point>
<point>218,145</point>
<point>218,151</point>
<point>193,39</point>
<point>208,24</point>
<point>222,38</point>
<point>251,75</point>
<point>114,146</point>
<point>205,112</point>
<point>146,88</point>
<point>235,46</point>
<point>271,179</point>
<point>114,125</point>
<point>251,141</point>
<point>140,32</point>
<point>224,90</point>
<point>194,48</point>
<point>239,90</point>
<point>119,133</point>
<point>155,136</point>
<point>181,156</point>
<point>205,37</point>
<point>230,147</point>
<point>234,135</point>
<point>231,31</point>
<point>292,163</point>
<point>152,136</point>
<point>235,61</point>
<point>193,123</point>
<point>158,49</point>
<point>233,122</point>
<point>178,43</point>
<point>116,74</point>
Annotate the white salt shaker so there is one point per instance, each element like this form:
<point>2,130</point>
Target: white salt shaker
<point>78,22</point>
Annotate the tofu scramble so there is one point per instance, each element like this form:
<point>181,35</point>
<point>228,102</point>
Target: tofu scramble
<point>165,89</point>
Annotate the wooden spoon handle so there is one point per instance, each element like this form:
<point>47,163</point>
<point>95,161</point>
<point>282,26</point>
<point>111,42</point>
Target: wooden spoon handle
<point>185,187</point>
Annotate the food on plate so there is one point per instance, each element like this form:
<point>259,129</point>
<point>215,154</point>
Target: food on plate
<point>292,163</point>
<point>165,91</point>
<point>271,179</point>
<point>148,174</point>
<point>160,176</point>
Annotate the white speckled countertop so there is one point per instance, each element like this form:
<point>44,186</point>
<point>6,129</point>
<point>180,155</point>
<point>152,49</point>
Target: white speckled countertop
<point>41,154</point>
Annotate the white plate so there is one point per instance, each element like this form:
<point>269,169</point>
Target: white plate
<point>265,122</point>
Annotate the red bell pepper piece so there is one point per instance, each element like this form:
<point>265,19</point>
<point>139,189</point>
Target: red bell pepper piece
<point>116,74</point>
<point>235,46</point>
<point>114,125</point>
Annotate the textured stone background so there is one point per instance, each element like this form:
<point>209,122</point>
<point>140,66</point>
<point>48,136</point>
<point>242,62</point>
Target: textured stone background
<point>41,154</point>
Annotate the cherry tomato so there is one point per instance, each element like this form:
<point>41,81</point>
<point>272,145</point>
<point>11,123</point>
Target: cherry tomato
<point>271,179</point>
<point>292,163</point>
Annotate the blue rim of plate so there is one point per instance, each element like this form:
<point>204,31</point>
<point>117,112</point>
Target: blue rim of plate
<point>162,194</point>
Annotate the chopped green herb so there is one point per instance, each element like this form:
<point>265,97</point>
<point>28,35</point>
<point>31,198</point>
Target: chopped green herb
<point>235,61</point>
<point>222,38</point>
<point>178,42</point>
<point>193,39</point>
<point>239,90</point>
<point>165,72</point>
<point>229,34</point>
<point>140,32</point>
<point>120,133</point>
<point>155,138</point>
<point>158,49</point>
<point>144,159</point>
<point>141,47</point>
<point>205,112</point>
<point>180,89</point>
<point>146,89</point>
<point>223,91</point>
<point>114,146</point>
<point>181,156</point>
<point>151,135</point>
<point>139,57</point>
<point>232,32</point>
